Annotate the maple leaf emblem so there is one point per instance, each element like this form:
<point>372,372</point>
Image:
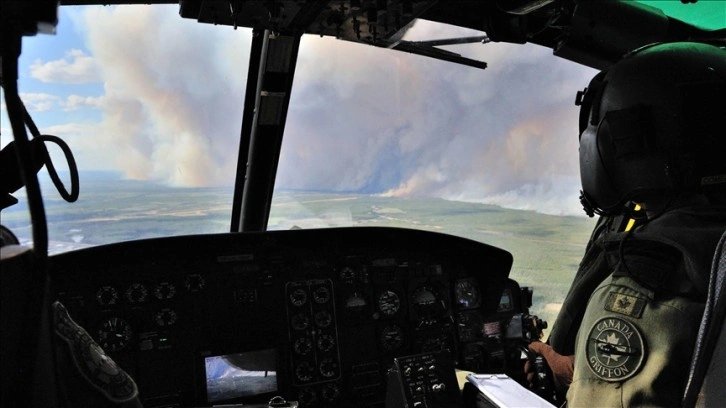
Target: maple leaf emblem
<point>623,303</point>
<point>610,345</point>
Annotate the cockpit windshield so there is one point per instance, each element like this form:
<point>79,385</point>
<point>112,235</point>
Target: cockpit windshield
<point>151,105</point>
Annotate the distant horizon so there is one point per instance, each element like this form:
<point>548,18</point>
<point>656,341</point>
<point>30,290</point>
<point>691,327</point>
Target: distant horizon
<point>85,176</point>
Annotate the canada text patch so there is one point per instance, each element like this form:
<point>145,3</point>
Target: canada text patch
<point>615,349</point>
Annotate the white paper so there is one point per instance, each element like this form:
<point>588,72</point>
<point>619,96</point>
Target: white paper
<point>503,391</point>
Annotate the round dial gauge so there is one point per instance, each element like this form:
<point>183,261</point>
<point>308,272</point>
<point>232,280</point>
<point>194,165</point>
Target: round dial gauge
<point>302,346</point>
<point>106,295</point>
<point>194,282</point>
<point>326,342</point>
<point>323,319</point>
<point>392,337</point>
<point>321,295</point>
<point>306,397</point>
<point>467,293</point>
<point>424,297</point>
<point>328,367</point>
<point>330,392</point>
<point>304,371</point>
<point>346,274</point>
<point>114,334</point>
<point>165,291</point>
<point>298,297</point>
<point>389,303</point>
<point>137,293</point>
<point>165,317</point>
<point>300,321</point>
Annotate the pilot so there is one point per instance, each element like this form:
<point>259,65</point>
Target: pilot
<point>652,133</point>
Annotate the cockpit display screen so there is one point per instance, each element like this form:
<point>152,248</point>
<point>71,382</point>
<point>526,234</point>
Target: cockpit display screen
<point>241,374</point>
<point>505,303</point>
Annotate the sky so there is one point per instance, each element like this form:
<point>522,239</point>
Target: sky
<point>141,91</point>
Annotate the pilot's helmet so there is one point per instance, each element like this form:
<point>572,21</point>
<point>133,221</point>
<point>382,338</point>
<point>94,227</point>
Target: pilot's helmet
<point>654,125</point>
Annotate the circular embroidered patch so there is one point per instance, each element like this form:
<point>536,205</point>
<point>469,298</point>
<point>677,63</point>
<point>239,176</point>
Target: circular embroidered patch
<point>615,349</point>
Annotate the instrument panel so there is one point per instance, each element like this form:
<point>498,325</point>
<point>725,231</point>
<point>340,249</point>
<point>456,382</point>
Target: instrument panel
<point>316,316</point>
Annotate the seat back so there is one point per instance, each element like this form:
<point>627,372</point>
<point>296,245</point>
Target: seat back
<point>705,387</point>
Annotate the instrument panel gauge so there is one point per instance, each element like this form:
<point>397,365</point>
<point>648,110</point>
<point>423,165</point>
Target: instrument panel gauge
<point>165,317</point>
<point>389,303</point>
<point>194,282</point>
<point>137,293</point>
<point>347,274</point>
<point>392,337</point>
<point>165,291</point>
<point>424,296</point>
<point>107,296</point>
<point>114,333</point>
<point>304,371</point>
<point>323,319</point>
<point>298,297</point>
<point>300,321</point>
<point>326,342</point>
<point>321,295</point>
<point>467,293</point>
<point>328,368</point>
<point>302,346</point>
<point>307,396</point>
<point>426,302</point>
<point>330,392</point>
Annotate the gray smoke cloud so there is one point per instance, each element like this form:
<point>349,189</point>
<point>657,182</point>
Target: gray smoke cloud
<point>174,91</point>
<point>361,119</point>
<point>405,125</point>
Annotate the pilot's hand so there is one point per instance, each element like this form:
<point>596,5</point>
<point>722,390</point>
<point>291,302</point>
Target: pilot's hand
<point>561,366</point>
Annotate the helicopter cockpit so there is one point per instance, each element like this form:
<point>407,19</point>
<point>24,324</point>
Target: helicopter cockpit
<point>269,263</point>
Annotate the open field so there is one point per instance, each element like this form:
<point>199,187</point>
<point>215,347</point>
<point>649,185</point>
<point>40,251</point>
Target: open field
<point>546,248</point>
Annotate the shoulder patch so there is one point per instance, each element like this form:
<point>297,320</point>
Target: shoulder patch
<point>625,304</point>
<point>98,370</point>
<point>615,349</point>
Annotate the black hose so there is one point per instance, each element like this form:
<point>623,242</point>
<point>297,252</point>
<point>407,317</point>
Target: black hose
<point>16,113</point>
